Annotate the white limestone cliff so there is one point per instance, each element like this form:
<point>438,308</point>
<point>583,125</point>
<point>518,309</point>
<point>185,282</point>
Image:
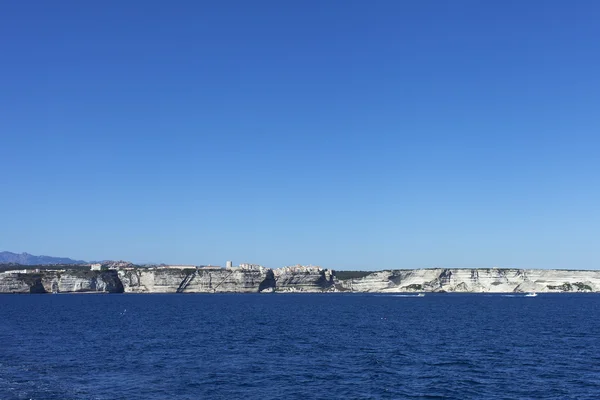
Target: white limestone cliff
<point>303,279</point>
<point>492,280</point>
<point>297,279</point>
<point>163,280</point>
<point>11,282</point>
<point>60,281</point>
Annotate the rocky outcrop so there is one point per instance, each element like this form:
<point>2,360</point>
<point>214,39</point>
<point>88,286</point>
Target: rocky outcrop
<point>61,281</point>
<point>492,280</point>
<point>296,279</point>
<point>20,283</point>
<point>303,279</point>
<point>82,281</point>
<point>166,280</point>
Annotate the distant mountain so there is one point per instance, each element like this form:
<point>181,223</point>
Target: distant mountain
<point>28,259</point>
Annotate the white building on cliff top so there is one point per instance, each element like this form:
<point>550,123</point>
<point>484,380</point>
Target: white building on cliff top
<point>251,267</point>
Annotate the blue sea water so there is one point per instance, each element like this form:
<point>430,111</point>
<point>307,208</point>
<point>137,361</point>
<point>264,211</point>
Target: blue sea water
<point>299,346</point>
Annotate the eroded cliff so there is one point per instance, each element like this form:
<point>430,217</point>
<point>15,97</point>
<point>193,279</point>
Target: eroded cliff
<point>492,280</point>
<point>303,279</point>
<point>60,281</point>
<point>163,280</point>
<point>296,279</point>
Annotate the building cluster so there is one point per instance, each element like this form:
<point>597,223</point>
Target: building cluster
<point>98,267</point>
<point>247,267</point>
<point>110,265</point>
<point>179,266</point>
<point>302,268</point>
<point>31,271</point>
<point>23,271</point>
<point>229,266</point>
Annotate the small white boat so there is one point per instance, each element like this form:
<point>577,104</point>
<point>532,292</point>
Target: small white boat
<point>421,295</point>
<point>532,294</point>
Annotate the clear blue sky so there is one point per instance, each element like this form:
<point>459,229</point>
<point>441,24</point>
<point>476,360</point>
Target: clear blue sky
<point>346,134</point>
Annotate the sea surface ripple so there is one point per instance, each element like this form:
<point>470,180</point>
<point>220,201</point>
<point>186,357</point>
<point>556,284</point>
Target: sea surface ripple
<point>299,346</point>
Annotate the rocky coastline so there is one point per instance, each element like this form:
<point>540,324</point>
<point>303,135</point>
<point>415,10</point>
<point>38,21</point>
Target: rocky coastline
<point>133,279</point>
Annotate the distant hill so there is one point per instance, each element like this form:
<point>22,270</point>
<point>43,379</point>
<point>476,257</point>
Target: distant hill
<point>29,259</point>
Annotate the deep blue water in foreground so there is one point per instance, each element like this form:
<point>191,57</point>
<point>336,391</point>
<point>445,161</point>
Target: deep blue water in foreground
<point>305,346</point>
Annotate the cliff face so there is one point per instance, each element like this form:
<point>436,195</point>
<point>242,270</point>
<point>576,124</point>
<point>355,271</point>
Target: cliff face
<point>17,283</point>
<point>474,281</point>
<point>293,279</point>
<point>82,281</point>
<point>303,280</point>
<point>162,280</point>
<point>61,282</point>
<point>151,280</point>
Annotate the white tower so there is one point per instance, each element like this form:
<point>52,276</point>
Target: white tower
<point>229,264</point>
